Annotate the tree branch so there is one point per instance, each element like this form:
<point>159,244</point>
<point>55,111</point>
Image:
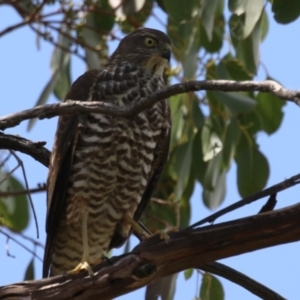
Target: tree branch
<point>154,258</point>
<point>33,149</point>
<point>71,107</point>
<point>241,279</point>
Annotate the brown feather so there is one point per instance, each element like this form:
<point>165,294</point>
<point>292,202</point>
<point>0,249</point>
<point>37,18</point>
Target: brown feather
<point>61,161</point>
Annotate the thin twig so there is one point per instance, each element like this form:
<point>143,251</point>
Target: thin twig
<point>24,192</point>
<point>266,192</point>
<point>242,280</point>
<point>20,162</point>
<point>71,107</point>
<point>20,244</point>
<point>7,248</point>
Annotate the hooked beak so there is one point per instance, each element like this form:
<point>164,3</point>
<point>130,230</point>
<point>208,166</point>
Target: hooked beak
<point>166,52</point>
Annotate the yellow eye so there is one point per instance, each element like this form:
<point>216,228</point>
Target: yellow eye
<point>149,42</point>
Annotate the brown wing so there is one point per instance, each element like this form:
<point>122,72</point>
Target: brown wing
<point>160,158</point>
<point>61,163</point>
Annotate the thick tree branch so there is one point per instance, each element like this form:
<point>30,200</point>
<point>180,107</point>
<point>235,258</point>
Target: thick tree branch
<point>154,258</point>
<point>71,107</point>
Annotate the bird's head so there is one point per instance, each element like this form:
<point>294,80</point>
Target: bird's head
<point>148,48</point>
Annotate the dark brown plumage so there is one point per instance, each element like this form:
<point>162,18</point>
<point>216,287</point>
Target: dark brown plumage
<point>103,169</point>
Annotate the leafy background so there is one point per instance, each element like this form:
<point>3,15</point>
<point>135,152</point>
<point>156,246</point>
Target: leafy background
<point>227,119</point>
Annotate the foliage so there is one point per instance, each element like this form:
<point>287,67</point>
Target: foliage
<point>211,130</point>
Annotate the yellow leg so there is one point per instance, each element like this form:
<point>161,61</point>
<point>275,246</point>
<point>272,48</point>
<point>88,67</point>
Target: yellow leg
<point>84,264</point>
<point>136,227</point>
<point>142,233</point>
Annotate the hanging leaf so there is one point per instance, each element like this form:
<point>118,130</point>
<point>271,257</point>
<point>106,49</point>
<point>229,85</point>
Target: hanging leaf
<point>188,273</point>
<point>208,16</point>
<point>247,49</point>
<point>29,273</point>
<point>236,102</point>
<point>125,8</point>
<point>246,14</point>
<point>182,167</point>
<point>212,198</point>
<point>14,210</point>
<point>231,140</point>
<point>252,171</point>
<point>163,288</point>
<point>211,288</point>
<point>269,108</point>
<point>285,11</point>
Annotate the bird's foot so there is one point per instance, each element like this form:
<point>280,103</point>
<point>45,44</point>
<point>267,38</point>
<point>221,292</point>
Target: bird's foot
<point>164,233</point>
<point>82,266</point>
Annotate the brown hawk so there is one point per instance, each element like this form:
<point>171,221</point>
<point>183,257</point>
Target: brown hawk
<point>103,169</point>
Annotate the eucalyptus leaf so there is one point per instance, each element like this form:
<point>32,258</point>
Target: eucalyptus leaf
<point>285,11</point>
<point>14,210</point>
<point>29,273</point>
<point>211,288</point>
<point>212,198</point>
<point>252,171</point>
<point>236,102</point>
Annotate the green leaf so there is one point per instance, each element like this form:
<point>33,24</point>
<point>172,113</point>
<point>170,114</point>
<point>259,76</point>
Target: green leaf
<point>234,67</point>
<point>216,42</point>
<point>178,121</point>
<point>103,17</point>
<point>188,273</point>
<point>252,171</point>
<point>29,274</point>
<point>269,108</point>
<point>236,102</point>
<point>14,210</point>
<point>246,14</point>
<point>211,288</point>
<point>163,288</point>
<point>184,22</point>
<point>198,116</point>
<point>285,11</point>
<point>248,49</point>
<point>46,92</point>
<point>60,71</point>
<point>95,23</point>
<point>185,207</point>
<point>212,198</point>
<point>212,173</point>
<point>232,137</point>
<point>125,8</point>
<point>211,142</point>
<point>208,16</point>
<point>137,17</point>
<point>264,26</point>
<point>63,84</point>
<point>182,12</point>
<point>199,165</point>
<point>182,167</point>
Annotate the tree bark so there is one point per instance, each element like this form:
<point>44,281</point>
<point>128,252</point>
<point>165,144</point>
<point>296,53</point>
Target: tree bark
<point>154,258</point>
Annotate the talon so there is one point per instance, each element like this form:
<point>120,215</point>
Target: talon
<point>82,266</point>
<point>103,257</point>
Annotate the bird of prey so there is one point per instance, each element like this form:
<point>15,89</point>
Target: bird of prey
<point>103,169</point>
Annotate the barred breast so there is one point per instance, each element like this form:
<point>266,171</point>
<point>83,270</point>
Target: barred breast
<point>111,165</point>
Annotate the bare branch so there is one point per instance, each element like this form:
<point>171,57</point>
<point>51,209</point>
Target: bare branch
<point>34,149</point>
<point>241,279</point>
<point>71,107</point>
<point>154,258</point>
<point>20,244</point>
<point>24,192</point>
<point>265,193</point>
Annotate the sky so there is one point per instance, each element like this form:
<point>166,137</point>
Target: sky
<point>25,70</point>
